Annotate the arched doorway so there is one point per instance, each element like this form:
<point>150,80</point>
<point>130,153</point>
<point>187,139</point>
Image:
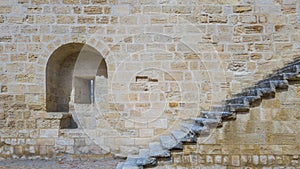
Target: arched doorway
<point>70,76</point>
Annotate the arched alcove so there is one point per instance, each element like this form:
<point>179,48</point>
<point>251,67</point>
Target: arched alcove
<point>72,68</point>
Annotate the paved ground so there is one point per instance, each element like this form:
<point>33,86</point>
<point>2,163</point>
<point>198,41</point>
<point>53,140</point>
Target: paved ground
<point>107,163</point>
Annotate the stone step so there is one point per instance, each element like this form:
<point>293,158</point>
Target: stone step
<point>282,76</point>
<point>219,108</point>
<point>257,91</point>
<point>211,123</point>
<point>125,165</point>
<point>184,136</point>
<point>169,142</point>
<point>294,78</point>
<point>292,68</point>
<point>144,153</point>
<point>238,107</point>
<point>266,91</point>
<point>197,129</point>
<point>246,100</point>
<point>156,150</point>
<point>224,115</point>
<point>250,92</point>
<point>141,160</point>
<point>273,84</point>
<point>232,108</point>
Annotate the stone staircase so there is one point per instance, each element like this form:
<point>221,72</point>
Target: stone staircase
<point>214,118</point>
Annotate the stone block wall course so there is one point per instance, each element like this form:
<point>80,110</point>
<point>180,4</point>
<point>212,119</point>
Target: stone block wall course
<point>166,61</point>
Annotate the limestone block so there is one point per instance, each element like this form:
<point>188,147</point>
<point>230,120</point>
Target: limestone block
<point>45,19</point>
<point>86,20</point>
<point>248,19</point>
<point>70,1</point>
<point>289,9</point>
<point>242,8</point>
<point>41,123</point>
<point>268,9</point>
<point>151,9</point>
<point>235,160</point>
<point>173,76</point>
<point>212,9</point>
<point>253,29</point>
<point>45,141</point>
<point>121,10</point>
<point>77,9</point>
<point>218,19</point>
<point>93,10</point>
<point>263,159</point>
<point>38,2</point>
<point>255,159</point>
<point>49,133</point>
<point>209,160</point>
<point>124,141</point>
<point>64,141</point>
<point>65,19</point>
<point>18,150</point>
<point>158,123</point>
<point>107,10</point>
<point>128,20</point>
<point>179,66</point>
<point>177,9</point>
<point>62,9</point>
<point>42,150</point>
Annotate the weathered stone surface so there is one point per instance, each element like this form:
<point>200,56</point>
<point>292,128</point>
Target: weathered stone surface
<point>169,142</point>
<point>156,150</point>
<point>209,122</point>
<point>183,136</point>
<point>194,54</point>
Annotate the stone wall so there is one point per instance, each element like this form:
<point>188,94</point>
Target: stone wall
<point>267,136</point>
<point>166,61</point>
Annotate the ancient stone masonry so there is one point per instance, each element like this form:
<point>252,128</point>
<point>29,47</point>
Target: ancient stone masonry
<point>260,141</point>
<point>99,78</point>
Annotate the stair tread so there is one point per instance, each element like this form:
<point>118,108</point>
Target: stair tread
<point>219,108</point>
<point>169,142</point>
<point>238,107</point>
<point>246,100</point>
<point>128,165</point>
<point>273,83</point>
<point>207,120</point>
<point>184,136</point>
<point>202,130</point>
<point>224,115</point>
<point>144,153</point>
<point>211,114</point>
<point>156,150</point>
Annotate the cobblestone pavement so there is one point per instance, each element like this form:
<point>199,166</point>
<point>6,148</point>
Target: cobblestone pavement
<point>107,163</point>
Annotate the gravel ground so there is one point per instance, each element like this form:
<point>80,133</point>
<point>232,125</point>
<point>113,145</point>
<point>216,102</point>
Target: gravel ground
<point>107,163</point>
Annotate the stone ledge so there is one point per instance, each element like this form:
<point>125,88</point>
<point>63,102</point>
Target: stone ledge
<point>57,115</point>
